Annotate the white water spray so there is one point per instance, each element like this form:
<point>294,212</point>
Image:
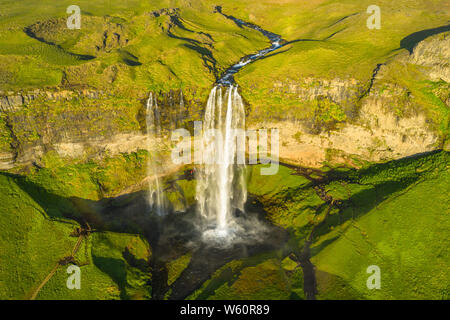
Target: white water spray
<point>221,187</point>
<point>155,193</point>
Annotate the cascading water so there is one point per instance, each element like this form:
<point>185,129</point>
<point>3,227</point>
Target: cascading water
<point>221,185</point>
<point>221,188</point>
<point>155,193</point>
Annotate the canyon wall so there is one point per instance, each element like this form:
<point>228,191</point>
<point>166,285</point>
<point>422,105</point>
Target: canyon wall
<point>378,120</point>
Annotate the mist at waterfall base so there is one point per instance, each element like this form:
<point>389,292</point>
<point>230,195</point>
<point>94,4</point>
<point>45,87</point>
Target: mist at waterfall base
<point>221,192</point>
<point>220,218</point>
<point>221,182</point>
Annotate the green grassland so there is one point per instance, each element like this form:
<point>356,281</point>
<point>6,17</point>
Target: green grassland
<point>401,226</point>
<point>153,52</point>
<point>127,49</point>
<point>334,42</point>
<point>35,218</point>
<point>159,53</point>
<point>342,45</point>
<point>394,215</point>
<point>31,244</point>
<point>265,276</point>
<point>109,272</point>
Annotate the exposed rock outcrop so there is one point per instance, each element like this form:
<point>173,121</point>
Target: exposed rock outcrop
<point>434,54</point>
<point>9,101</point>
<point>376,131</point>
<point>390,122</point>
<point>48,122</point>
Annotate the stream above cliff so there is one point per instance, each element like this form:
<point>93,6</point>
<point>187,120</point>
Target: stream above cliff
<point>277,42</point>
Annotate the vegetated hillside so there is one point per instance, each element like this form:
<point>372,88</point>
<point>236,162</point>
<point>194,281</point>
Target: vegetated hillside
<point>35,240</point>
<point>340,94</point>
<point>393,215</point>
<point>338,91</point>
<point>157,44</point>
<point>40,213</point>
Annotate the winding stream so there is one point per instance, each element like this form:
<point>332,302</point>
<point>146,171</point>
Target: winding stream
<point>276,40</point>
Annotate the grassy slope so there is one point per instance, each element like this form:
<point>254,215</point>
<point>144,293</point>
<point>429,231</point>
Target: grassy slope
<point>393,215</point>
<point>31,244</point>
<point>26,62</point>
<point>352,52</point>
<point>405,235</point>
<point>265,276</point>
<point>108,275</point>
<point>165,62</point>
<point>343,47</point>
<point>33,241</point>
<point>288,199</point>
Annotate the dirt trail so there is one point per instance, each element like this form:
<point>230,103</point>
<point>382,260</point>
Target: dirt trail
<point>83,233</point>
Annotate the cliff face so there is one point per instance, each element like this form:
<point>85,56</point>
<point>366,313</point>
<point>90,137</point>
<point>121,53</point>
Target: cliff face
<point>336,120</point>
<point>378,136</point>
<point>83,124</point>
<point>434,55</point>
<point>387,118</point>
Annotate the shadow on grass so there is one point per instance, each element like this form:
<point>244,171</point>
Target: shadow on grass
<point>385,181</point>
<point>81,57</point>
<point>116,270</point>
<point>413,39</point>
<point>366,188</point>
<point>172,236</point>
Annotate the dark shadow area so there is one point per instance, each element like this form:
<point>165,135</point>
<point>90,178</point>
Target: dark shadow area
<point>208,59</point>
<point>178,233</point>
<point>207,258</point>
<point>334,33</point>
<point>82,57</point>
<point>115,269</point>
<point>337,286</point>
<point>374,193</point>
<point>129,58</point>
<point>170,236</point>
<point>413,39</point>
<point>132,63</point>
<point>342,19</point>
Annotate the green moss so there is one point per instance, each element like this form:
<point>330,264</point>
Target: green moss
<point>5,135</point>
<point>31,243</point>
<point>176,267</point>
<point>395,218</point>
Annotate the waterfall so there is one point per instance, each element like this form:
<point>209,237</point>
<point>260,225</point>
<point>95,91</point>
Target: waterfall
<point>155,193</point>
<point>221,187</point>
